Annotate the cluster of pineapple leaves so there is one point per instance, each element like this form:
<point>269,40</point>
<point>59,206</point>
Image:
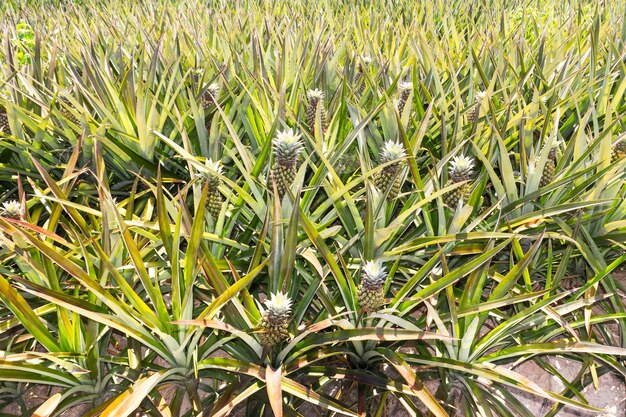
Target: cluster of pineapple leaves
<point>309,207</point>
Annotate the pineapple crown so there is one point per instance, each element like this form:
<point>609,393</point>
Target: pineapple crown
<point>214,89</point>
<point>287,144</point>
<point>405,86</point>
<point>12,208</point>
<point>556,144</point>
<point>392,151</point>
<point>212,170</point>
<point>479,96</point>
<point>214,167</point>
<point>315,94</point>
<point>279,304</point>
<point>366,59</point>
<point>461,164</point>
<point>374,271</point>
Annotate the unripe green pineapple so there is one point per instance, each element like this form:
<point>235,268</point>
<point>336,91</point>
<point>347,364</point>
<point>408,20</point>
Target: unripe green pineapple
<point>214,197</point>
<point>405,93</point>
<point>210,96</point>
<point>67,109</point>
<point>274,322</point>
<point>389,176</point>
<point>287,148</point>
<point>460,170</point>
<point>474,111</point>
<point>315,104</point>
<point>547,176</point>
<point>347,163</point>
<point>12,209</point>
<point>619,151</point>
<point>4,122</point>
<point>371,292</point>
<point>359,79</point>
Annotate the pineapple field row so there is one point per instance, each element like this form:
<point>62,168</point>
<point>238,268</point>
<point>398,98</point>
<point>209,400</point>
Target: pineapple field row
<point>312,208</point>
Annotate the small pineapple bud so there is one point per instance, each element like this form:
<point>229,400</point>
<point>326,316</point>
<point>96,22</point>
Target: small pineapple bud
<point>405,93</point>
<point>460,170</point>
<point>274,322</point>
<point>474,111</point>
<point>359,79</point>
<point>214,198</point>
<point>315,104</point>
<point>209,97</point>
<point>4,121</point>
<point>389,176</point>
<point>619,151</point>
<point>287,147</point>
<point>67,109</point>
<point>371,292</point>
<point>12,209</point>
<point>547,176</point>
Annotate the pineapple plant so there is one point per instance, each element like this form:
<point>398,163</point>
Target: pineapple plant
<point>12,209</point>
<point>214,197</point>
<point>547,176</point>
<point>474,112</point>
<point>619,151</point>
<point>460,170</point>
<point>389,176</point>
<point>315,103</point>
<point>209,97</point>
<point>359,79</point>
<point>4,121</point>
<point>274,321</point>
<point>287,147</point>
<point>371,292</point>
<point>405,92</point>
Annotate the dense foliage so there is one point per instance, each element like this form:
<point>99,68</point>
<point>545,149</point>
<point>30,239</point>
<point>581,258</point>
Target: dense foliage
<point>299,207</point>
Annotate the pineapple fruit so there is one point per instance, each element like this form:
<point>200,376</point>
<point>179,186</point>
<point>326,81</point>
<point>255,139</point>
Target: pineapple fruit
<point>347,163</point>
<point>275,319</point>
<point>619,151</point>
<point>371,292</point>
<point>405,93</point>
<point>12,209</point>
<point>67,109</point>
<point>547,176</point>
<point>315,104</point>
<point>460,170</point>
<point>287,147</point>
<point>4,121</point>
<point>359,78</point>
<point>390,175</point>
<point>214,198</point>
<point>474,111</point>
<point>209,97</point>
